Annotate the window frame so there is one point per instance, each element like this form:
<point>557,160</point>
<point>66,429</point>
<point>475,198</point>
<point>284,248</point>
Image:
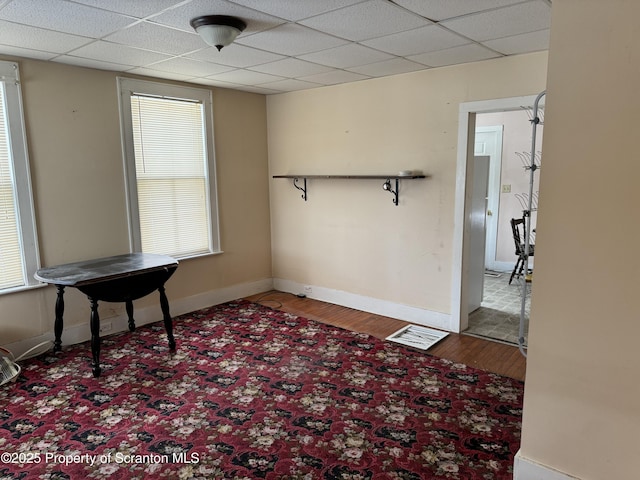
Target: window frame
<point>23,193</point>
<point>130,86</point>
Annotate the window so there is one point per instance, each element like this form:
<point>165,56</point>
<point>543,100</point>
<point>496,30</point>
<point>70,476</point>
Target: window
<point>18,239</point>
<point>168,148</point>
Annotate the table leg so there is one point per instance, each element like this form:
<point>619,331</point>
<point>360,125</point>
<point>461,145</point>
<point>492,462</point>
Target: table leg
<point>168,323</point>
<point>57,326</point>
<point>132,322</point>
<point>95,336</point>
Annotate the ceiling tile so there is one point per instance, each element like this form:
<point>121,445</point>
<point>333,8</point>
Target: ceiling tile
<point>291,67</point>
<point>291,39</point>
<point>114,53</point>
<point>334,77</point>
<point>503,22</point>
<point>350,55</point>
<point>157,38</point>
<point>181,16</point>
<point>65,17</point>
<point>89,63</point>
<point>527,42</point>
<point>138,9</point>
<point>258,89</point>
<point>236,55</point>
<point>156,74</point>
<point>26,52</point>
<point>419,40</point>
<point>394,66</point>
<point>298,9</point>
<point>25,36</point>
<point>245,77</point>
<point>442,9</point>
<point>187,66</point>
<point>215,83</point>
<point>370,19</point>
<point>463,54</point>
<point>289,85</point>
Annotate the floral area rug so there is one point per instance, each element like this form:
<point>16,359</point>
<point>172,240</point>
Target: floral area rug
<point>255,393</point>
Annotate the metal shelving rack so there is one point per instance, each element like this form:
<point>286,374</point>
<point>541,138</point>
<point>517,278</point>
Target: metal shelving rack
<point>534,165</point>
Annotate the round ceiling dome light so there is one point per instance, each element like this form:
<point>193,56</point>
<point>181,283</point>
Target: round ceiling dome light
<point>218,30</point>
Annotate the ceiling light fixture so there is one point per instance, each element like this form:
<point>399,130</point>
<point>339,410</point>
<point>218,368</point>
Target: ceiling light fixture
<point>218,30</point>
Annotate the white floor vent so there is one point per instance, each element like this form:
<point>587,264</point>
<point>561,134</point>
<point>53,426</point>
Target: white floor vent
<point>9,370</point>
<point>418,337</point>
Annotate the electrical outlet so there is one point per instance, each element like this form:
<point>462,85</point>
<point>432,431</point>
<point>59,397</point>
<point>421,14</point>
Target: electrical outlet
<point>506,188</point>
<point>307,290</point>
<point>105,327</point>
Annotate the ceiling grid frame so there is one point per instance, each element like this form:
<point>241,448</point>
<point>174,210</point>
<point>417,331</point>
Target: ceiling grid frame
<point>285,47</point>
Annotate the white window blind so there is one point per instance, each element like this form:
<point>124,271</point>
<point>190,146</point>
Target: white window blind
<point>18,239</point>
<point>167,142</point>
<point>12,272</point>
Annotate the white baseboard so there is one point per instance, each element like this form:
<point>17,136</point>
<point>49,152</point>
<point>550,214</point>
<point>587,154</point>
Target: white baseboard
<point>526,469</point>
<point>507,267</point>
<point>81,333</point>
<point>407,313</point>
<point>120,323</point>
<point>216,297</point>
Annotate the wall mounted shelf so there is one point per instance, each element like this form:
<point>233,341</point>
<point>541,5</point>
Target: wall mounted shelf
<point>386,185</point>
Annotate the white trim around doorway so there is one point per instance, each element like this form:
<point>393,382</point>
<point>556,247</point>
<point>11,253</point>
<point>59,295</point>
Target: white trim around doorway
<point>466,126</point>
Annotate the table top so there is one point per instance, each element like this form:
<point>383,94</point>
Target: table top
<point>102,269</point>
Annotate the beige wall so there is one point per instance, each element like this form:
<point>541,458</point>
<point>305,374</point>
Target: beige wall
<point>73,131</point>
<point>349,236</point>
<point>581,408</point>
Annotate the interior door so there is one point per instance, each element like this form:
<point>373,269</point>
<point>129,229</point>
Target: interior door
<point>477,231</point>
<point>488,142</point>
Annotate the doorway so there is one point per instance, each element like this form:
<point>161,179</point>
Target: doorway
<point>462,286</point>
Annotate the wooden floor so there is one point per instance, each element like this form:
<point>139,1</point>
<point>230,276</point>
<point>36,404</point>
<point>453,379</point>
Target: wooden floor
<point>484,354</point>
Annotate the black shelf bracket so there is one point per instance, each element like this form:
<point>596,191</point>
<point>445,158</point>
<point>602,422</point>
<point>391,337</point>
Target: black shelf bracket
<point>302,189</point>
<point>387,186</point>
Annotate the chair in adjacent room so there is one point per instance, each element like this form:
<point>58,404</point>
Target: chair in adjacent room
<point>518,227</point>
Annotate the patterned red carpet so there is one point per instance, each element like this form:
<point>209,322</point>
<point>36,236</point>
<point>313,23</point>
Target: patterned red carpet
<point>256,393</point>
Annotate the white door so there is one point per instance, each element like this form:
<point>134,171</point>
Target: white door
<point>477,231</point>
<point>488,142</point>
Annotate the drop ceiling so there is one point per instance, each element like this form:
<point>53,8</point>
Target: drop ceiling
<point>287,45</point>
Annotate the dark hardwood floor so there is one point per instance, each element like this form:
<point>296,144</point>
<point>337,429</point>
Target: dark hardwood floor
<point>476,352</point>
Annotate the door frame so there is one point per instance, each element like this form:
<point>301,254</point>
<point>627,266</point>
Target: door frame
<point>466,135</point>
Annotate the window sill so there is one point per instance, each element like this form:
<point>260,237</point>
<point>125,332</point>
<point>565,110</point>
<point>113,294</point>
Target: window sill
<point>199,255</point>
<point>22,288</point>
